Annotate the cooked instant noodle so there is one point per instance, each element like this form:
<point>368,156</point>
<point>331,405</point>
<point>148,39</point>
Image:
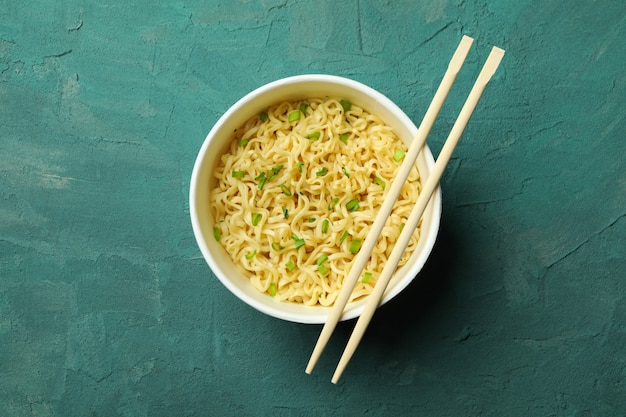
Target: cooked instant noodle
<point>297,191</point>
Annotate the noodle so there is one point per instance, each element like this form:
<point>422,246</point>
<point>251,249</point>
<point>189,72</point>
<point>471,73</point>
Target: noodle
<point>298,190</point>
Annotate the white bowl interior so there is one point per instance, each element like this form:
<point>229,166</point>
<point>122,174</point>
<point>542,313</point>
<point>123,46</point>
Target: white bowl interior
<point>294,88</point>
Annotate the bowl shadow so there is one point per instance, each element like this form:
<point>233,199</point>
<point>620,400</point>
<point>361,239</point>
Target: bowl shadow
<point>407,318</point>
<point>420,301</point>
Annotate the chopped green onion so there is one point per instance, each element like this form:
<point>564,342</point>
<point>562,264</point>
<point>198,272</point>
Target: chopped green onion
<point>242,142</point>
<point>325,225</point>
<point>285,212</point>
<point>401,227</point>
<point>251,254</point>
<point>290,266</point>
<point>380,182</point>
<point>300,165</point>
<point>263,116</point>
<point>345,172</point>
<point>237,174</point>
<point>323,269</point>
<point>277,246</point>
<point>353,205</point>
<point>311,219</point>
<point>285,190</point>
<point>321,172</point>
<point>344,137</point>
<point>303,107</point>
<point>272,289</point>
<point>256,217</point>
<point>398,155</point>
<point>313,136</point>
<point>298,241</point>
<point>346,105</point>
<point>275,172</point>
<point>355,245</point>
<point>262,179</point>
<point>333,203</point>
<point>294,115</point>
<point>366,277</point>
<point>323,257</point>
<point>343,237</point>
<point>217,233</point>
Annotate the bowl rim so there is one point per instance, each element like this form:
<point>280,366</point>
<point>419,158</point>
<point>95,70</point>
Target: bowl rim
<point>266,308</point>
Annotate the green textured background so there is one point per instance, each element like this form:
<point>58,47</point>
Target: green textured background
<point>107,307</point>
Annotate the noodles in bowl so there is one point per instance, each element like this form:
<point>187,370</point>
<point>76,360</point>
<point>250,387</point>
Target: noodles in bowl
<point>280,206</point>
<point>297,192</point>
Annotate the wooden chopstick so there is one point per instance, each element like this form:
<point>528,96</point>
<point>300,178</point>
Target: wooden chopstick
<point>429,187</point>
<point>392,195</point>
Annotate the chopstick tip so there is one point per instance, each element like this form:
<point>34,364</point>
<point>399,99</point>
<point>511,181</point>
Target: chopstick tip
<point>491,65</point>
<point>497,50</point>
<point>310,366</point>
<point>460,54</point>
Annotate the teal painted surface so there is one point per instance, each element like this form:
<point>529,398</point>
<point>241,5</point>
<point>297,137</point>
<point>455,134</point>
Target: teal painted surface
<point>107,308</point>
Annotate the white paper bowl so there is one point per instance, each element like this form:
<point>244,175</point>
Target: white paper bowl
<point>215,144</point>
